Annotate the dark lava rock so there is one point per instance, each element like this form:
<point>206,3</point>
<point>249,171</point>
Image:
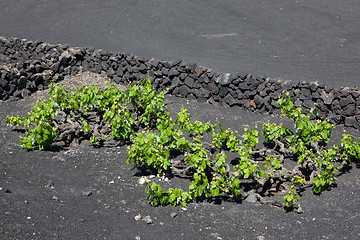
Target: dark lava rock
<point>4,84</point>
<point>243,86</point>
<point>308,104</point>
<point>352,122</point>
<point>346,101</point>
<point>119,73</point>
<point>242,74</point>
<point>226,79</point>
<point>251,199</point>
<point>231,100</point>
<point>213,88</point>
<point>349,110</point>
<point>223,91</point>
<point>305,94</point>
<point>313,86</point>
<point>327,97</point>
<point>116,79</point>
<point>184,90</point>
<point>259,101</point>
<point>148,219</point>
<point>175,82</point>
<point>173,73</point>
<point>25,92</point>
<point>198,71</point>
<point>21,82</point>
<point>203,93</point>
<point>189,82</point>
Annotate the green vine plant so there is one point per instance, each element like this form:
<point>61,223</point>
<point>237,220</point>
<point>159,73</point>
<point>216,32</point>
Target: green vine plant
<point>139,118</point>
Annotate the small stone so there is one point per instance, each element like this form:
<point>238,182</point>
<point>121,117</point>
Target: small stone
<point>251,199</point>
<point>213,88</point>
<point>313,86</point>
<point>55,198</point>
<point>203,93</point>
<point>148,219</point>
<point>259,101</point>
<point>308,104</point>
<point>253,93</point>
<point>355,93</point>
<point>327,97</point>
<point>198,71</point>
<point>7,191</point>
<point>243,86</point>
<point>223,103</point>
<point>22,82</point>
<point>345,91</point>
<point>184,90</point>
<point>25,92</point>
<point>346,101</point>
<point>215,235</point>
<point>249,103</point>
<point>175,82</point>
<point>173,73</point>
<point>176,62</point>
<point>119,73</point>
<point>351,122</point>
<point>305,94</point>
<point>349,110</point>
<point>189,82</point>
<point>116,79</point>
<point>226,79</point>
<point>223,91</point>
<point>231,100</point>
<point>3,83</point>
<point>242,74</point>
<point>64,58</point>
<point>173,214</point>
<point>87,193</point>
<point>138,217</point>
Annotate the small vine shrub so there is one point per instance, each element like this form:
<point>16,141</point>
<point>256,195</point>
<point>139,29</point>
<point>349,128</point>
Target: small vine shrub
<point>139,118</point>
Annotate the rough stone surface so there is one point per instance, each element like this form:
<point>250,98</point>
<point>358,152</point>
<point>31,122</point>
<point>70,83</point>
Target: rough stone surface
<point>184,90</point>
<point>189,82</point>
<point>29,66</point>
<point>352,122</point>
<point>327,97</point>
<point>308,104</point>
<point>349,110</point>
<point>249,104</point>
<point>346,101</point>
<point>226,79</point>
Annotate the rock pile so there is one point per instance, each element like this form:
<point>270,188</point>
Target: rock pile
<point>26,67</point>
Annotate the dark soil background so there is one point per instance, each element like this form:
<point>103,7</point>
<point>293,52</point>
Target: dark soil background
<point>91,193</point>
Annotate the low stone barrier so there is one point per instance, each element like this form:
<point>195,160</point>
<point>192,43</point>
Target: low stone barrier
<point>29,66</point>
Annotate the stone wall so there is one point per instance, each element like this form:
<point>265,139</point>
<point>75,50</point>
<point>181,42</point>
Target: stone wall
<point>26,67</point>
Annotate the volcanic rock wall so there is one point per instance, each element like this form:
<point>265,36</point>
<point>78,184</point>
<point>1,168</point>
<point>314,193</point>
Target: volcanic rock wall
<point>26,67</point>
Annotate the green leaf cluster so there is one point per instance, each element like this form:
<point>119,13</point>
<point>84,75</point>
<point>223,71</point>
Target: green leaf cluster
<point>139,117</point>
